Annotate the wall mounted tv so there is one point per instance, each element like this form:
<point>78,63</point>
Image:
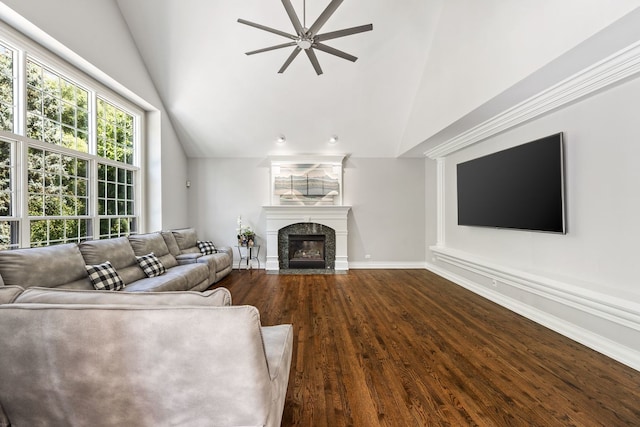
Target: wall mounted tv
<point>521,188</point>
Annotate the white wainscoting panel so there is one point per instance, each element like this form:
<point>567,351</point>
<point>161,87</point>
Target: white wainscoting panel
<point>612,325</point>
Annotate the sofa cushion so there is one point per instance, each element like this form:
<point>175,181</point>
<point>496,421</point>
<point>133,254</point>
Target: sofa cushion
<point>8,294</point>
<point>215,297</point>
<point>119,252</point>
<point>206,247</point>
<point>171,242</point>
<point>186,238</point>
<point>151,265</point>
<point>144,244</point>
<point>166,283</point>
<point>104,277</point>
<point>49,266</point>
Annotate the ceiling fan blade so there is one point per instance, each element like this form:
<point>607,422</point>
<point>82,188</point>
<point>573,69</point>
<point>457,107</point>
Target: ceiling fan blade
<point>269,29</point>
<point>314,60</point>
<point>342,33</point>
<point>293,17</point>
<point>266,49</point>
<point>334,51</point>
<point>324,17</point>
<point>291,57</point>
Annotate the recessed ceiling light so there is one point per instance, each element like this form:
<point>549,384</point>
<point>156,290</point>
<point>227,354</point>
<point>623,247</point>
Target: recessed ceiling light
<point>333,140</point>
<point>281,140</point>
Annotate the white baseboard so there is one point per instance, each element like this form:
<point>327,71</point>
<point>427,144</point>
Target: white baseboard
<point>613,324</point>
<point>387,265</point>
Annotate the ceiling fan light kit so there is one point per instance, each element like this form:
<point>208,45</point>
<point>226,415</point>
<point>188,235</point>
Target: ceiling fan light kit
<point>308,39</point>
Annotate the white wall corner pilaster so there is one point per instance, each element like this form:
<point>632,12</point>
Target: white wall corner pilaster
<point>272,256</point>
<point>440,202</point>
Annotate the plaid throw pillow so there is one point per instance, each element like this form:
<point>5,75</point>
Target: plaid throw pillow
<point>151,265</point>
<point>104,277</point>
<point>207,248</point>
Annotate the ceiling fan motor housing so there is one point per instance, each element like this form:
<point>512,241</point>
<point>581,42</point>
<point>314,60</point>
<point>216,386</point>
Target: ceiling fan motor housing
<point>304,42</point>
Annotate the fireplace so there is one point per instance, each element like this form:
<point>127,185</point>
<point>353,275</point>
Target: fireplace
<point>306,251</point>
<point>327,221</point>
<point>307,246</point>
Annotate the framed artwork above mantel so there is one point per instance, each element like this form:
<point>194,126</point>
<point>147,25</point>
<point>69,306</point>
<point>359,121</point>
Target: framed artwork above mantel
<point>306,180</point>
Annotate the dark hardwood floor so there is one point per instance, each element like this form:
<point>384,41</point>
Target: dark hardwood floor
<point>409,348</point>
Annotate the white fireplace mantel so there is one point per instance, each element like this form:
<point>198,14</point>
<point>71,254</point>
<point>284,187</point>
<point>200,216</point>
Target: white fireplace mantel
<point>284,215</point>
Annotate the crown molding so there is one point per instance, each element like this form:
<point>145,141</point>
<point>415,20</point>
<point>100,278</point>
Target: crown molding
<point>611,70</point>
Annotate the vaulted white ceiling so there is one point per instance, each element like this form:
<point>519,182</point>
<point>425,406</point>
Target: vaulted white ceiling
<point>224,103</point>
<point>426,64</point>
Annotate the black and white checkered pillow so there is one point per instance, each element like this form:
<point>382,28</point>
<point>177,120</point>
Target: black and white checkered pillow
<point>207,248</point>
<point>104,277</point>
<point>151,265</point>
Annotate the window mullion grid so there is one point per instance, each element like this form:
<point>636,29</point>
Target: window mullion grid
<point>21,147</point>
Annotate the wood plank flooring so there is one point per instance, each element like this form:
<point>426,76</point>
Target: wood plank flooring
<point>409,348</point>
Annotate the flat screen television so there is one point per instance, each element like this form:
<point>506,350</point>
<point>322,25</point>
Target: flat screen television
<point>520,188</point>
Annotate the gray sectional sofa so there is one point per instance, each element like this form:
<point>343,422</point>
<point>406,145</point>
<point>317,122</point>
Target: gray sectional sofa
<point>71,357</point>
<point>63,266</point>
<point>157,353</point>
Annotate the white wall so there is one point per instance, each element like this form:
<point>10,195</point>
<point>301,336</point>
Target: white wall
<point>387,198</point>
<point>388,210</point>
<point>483,48</point>
<point>95,32</point>
<point>585,283</point>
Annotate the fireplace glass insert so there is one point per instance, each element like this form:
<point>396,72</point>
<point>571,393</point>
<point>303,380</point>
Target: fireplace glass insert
<point>306,251</point>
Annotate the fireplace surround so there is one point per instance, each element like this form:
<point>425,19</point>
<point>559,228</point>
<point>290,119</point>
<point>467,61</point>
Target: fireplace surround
<point>333,218</point>
<point>305,246</point>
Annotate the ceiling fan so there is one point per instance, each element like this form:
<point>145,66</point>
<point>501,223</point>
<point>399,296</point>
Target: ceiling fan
<point>308,39</point>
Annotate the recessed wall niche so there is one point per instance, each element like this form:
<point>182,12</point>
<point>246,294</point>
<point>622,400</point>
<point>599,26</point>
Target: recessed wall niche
<point>306,181</point>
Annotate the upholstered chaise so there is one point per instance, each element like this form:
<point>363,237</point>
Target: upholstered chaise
<point>74,358</point>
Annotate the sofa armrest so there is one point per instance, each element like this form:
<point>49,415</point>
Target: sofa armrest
<point>188,258</point>
<point>226,249</point>
<point>134,365</point>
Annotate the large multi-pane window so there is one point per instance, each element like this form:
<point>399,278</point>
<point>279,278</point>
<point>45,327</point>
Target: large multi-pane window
<point>58,197</point>
<point>115,132</point>
<point>7,106</point>
<point>57,108</point>
<point>116,203</point>
<point>68,168</point>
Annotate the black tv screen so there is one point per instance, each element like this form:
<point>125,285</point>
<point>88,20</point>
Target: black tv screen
<point>521,187</point>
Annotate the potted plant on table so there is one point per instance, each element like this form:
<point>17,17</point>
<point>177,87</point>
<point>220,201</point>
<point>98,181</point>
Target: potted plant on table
<point>246,235</point>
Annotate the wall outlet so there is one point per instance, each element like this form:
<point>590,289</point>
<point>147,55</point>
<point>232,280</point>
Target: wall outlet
<point>367,256</point>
